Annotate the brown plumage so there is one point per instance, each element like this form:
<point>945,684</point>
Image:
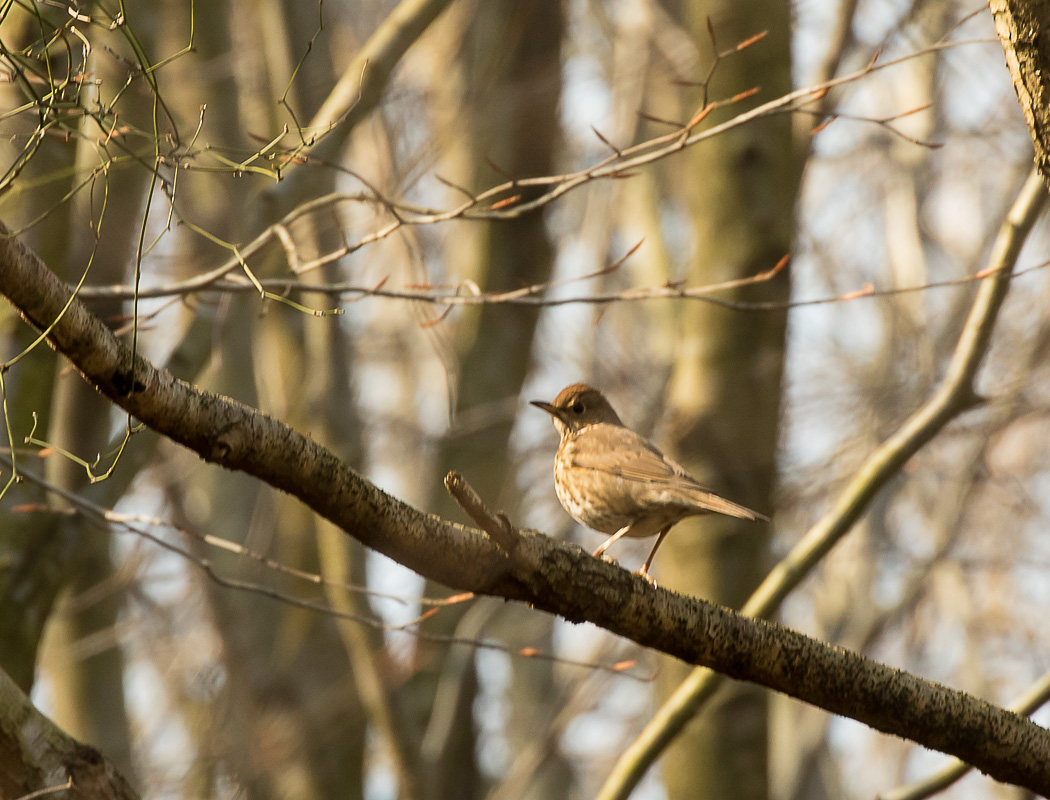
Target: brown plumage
<point>616,481</point>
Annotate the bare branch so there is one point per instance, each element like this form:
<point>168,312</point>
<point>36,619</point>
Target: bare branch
<point>496,204</point>
<point>954,395</point>
<point>550,575</point>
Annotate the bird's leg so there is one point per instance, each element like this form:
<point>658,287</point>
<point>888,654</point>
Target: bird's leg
<point>644,571</point>
<point>610,541</point>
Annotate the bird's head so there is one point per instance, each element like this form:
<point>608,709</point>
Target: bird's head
<point>578,406</point>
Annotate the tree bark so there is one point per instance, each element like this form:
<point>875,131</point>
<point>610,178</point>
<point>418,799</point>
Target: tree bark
<point>36,755</point>
<point>1024,31</point>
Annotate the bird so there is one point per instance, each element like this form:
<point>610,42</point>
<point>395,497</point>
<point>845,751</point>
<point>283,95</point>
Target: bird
<point>615,481</point>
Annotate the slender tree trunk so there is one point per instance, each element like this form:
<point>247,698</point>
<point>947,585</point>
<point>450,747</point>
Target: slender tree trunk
<point>726,386</point>
<point>511,80</point>
<point>89,690</point>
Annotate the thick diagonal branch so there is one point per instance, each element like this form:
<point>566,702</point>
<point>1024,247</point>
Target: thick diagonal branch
<point>547,574</point>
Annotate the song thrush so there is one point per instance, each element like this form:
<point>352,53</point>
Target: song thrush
<point>616,481</point>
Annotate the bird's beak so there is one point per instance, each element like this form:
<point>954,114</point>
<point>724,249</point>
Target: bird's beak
<point>554,411</point>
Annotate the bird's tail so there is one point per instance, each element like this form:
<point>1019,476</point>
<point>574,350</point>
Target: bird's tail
<point>719,505</point>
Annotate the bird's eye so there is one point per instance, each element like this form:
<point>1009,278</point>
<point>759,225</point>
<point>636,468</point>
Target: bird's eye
<point>577,407</point>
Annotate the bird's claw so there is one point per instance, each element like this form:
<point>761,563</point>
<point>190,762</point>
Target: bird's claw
<point>642,573</point>
<point>603,554</point>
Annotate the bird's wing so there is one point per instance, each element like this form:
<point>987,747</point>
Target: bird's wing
<point>631,456</point>
<point>620,451</point>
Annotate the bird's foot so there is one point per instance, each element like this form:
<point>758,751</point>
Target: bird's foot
<point>644,573</point>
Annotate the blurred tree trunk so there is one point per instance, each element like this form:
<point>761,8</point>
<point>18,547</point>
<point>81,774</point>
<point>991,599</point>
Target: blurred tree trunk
<point>89,690</point>
<point>218,502</point>
<point>295,726</point>
<point>725,389</point>
<point>34,577</point>
<point>508,77</point>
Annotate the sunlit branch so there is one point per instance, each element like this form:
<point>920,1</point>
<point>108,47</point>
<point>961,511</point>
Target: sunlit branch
<point>550,575</point>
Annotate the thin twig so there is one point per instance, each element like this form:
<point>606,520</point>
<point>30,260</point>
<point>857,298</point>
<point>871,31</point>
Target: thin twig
<point>485,205</point>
